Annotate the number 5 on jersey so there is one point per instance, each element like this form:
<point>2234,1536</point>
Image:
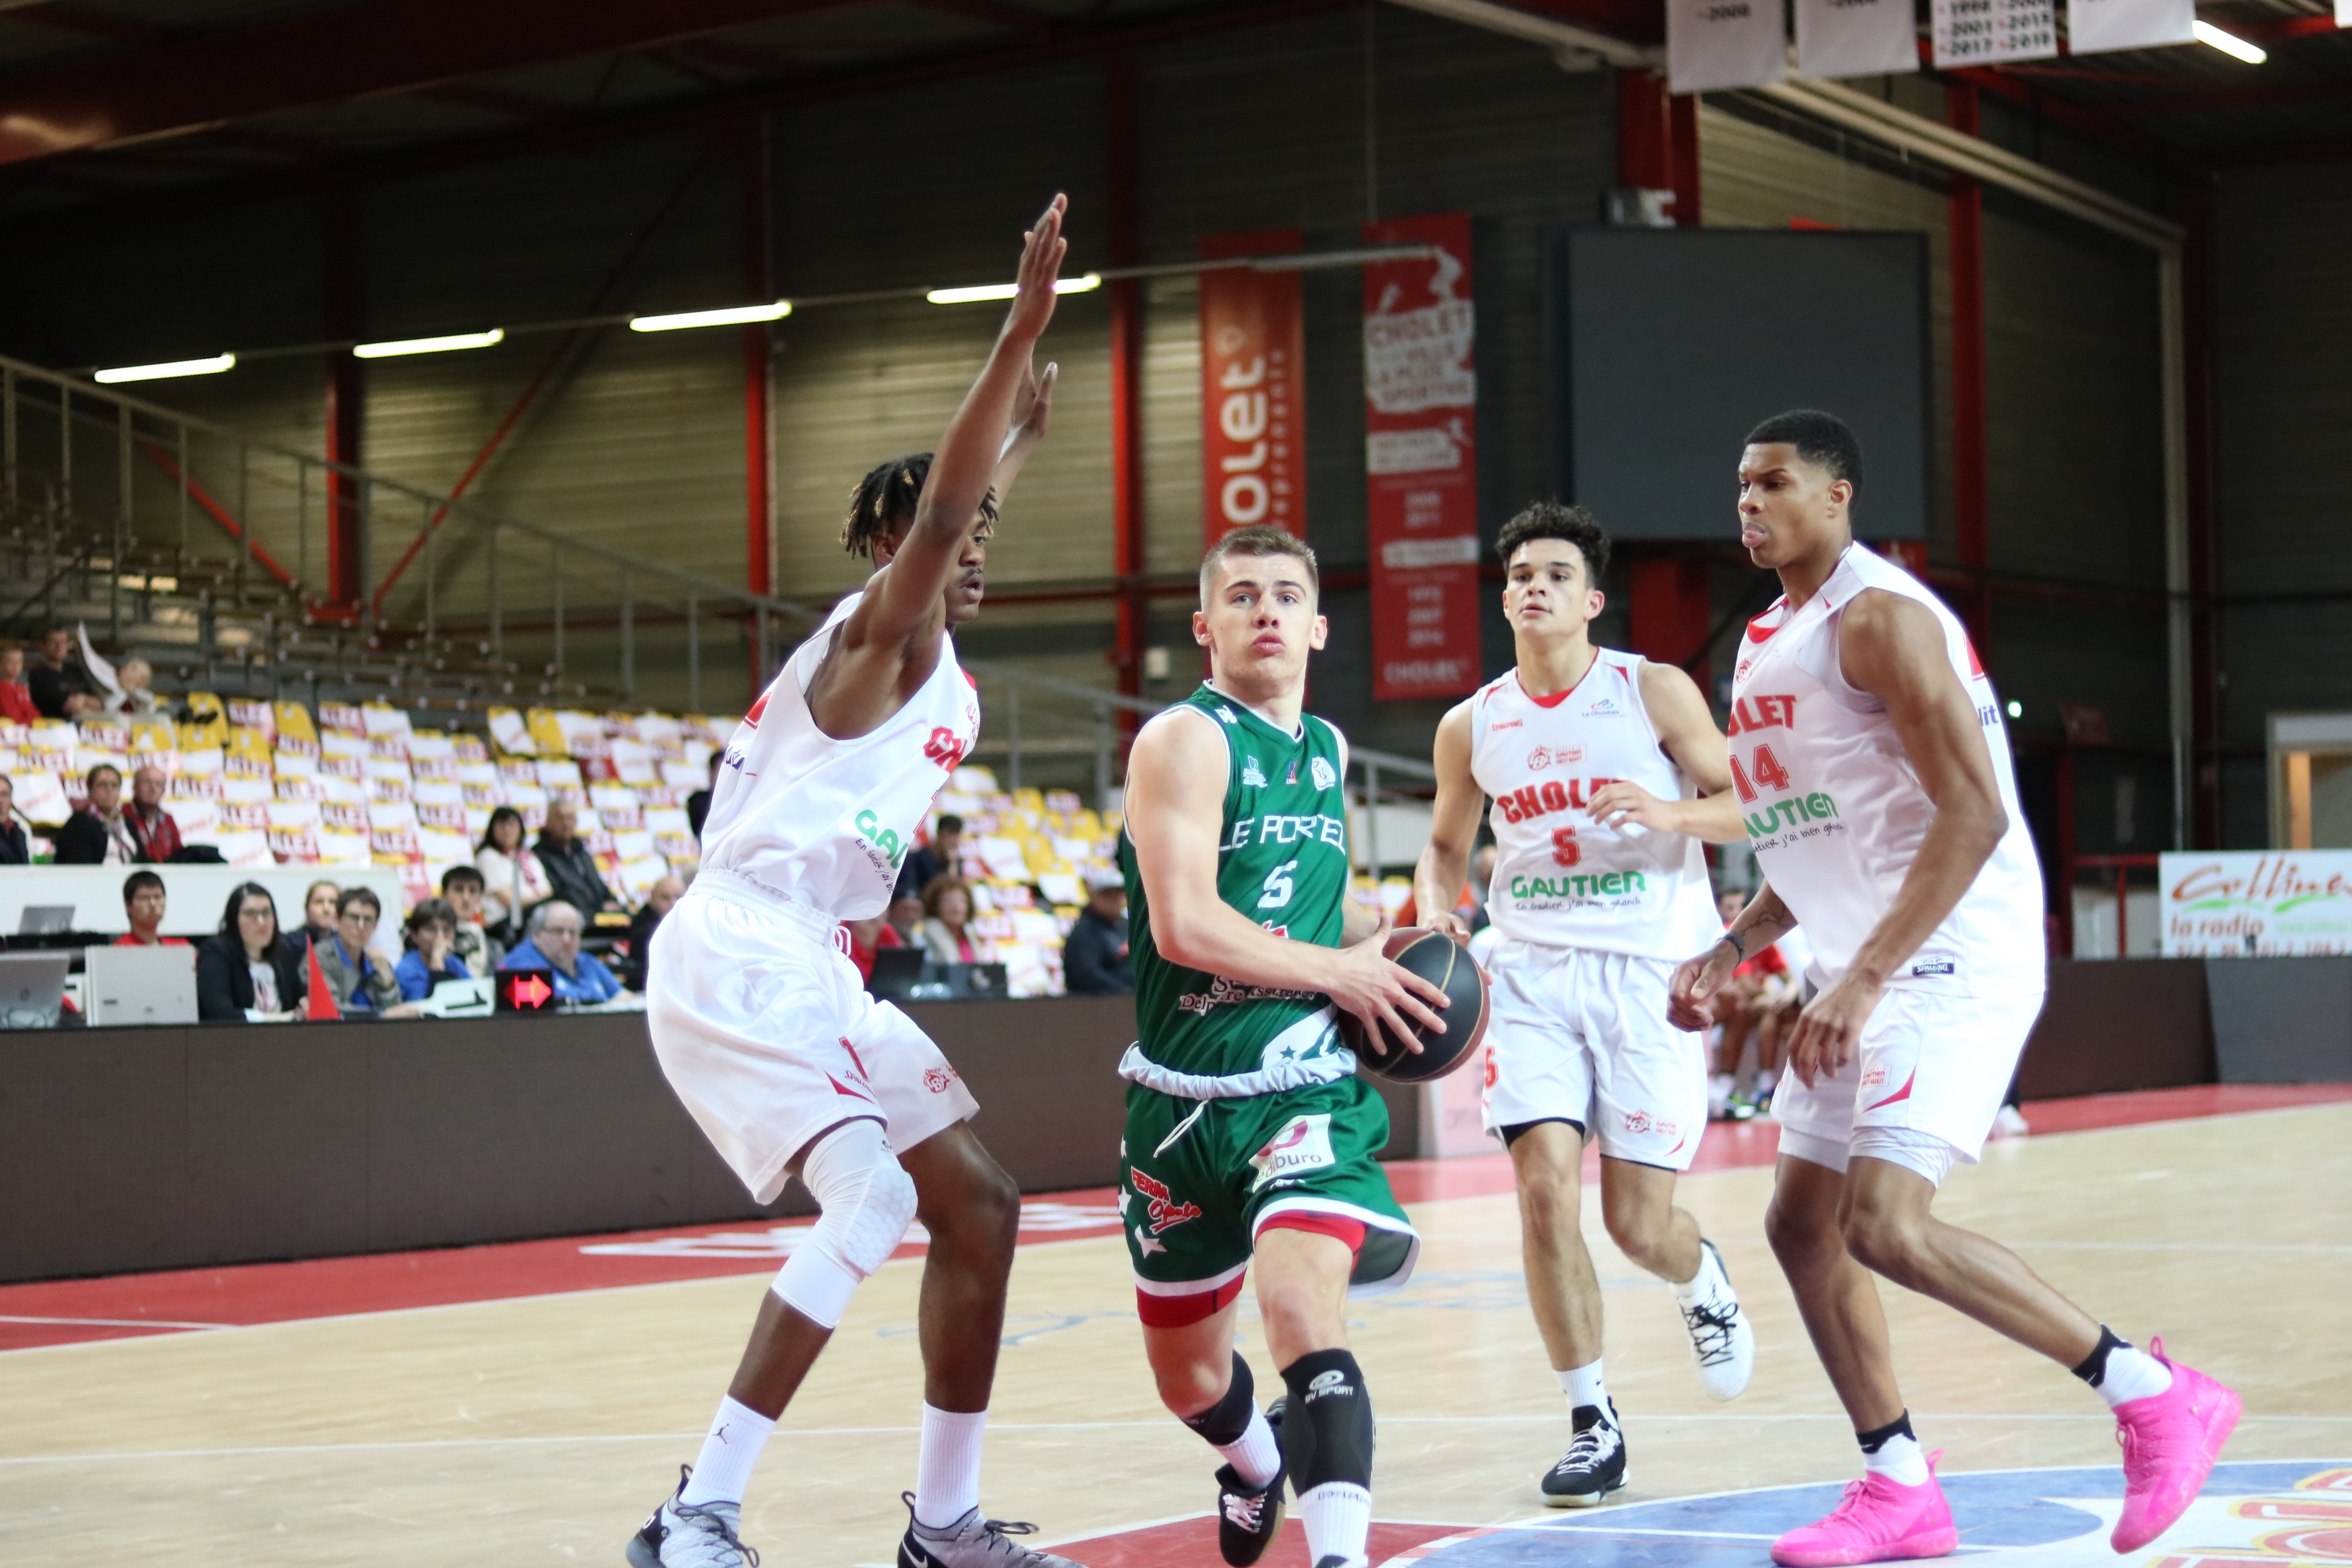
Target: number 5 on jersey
<point>1277,888</point>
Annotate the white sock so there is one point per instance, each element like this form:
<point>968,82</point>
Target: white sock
<point>1900,1460</point>
<point>1701,1284</point>
<point>1256,1454</point>
<point>1583,1386</point>
<point>2132,1373</point>
<point>738,1433</point>
<point>947,1471</point>
<point>1339,1519</point>
<point>1765,1078</point>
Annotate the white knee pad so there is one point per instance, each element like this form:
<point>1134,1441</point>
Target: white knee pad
<point>866,1200</point>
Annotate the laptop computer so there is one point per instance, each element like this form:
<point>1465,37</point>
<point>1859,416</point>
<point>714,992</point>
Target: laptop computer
<point>127,986</point>
<point>32,989</point>
<point>959,983</point>
<point>44,920</point>
<point>896,970</point>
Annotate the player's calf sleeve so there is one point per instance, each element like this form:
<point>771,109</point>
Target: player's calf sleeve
<point>1327,1429</point>
<point>866,1202</point>
<point>1238,1430</point>
<point>1326,1445</point>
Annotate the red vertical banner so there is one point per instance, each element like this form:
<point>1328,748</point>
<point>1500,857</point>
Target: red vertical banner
<point>1253,389</point>
<point>1421,459</point>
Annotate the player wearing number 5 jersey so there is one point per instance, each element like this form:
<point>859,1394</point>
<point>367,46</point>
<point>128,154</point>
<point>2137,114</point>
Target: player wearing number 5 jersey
<point>1593,760</point>
<point>758,1016</point>
<point>1249,1138</point>
<point>1874,773</point>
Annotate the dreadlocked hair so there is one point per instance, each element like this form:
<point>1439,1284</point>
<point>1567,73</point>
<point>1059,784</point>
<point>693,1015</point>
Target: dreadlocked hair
<point>883,504</point>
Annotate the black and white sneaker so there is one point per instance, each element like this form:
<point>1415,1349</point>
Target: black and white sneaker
<point>1594,1464</point>
<point>1249,1518</point>
<point>1722,1342</point>
<point>970,1541</point>
<point>691,1535</point>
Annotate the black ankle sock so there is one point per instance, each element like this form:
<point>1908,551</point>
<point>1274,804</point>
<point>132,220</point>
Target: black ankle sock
<point>1877,1437</point>
<point>2094,1370</point>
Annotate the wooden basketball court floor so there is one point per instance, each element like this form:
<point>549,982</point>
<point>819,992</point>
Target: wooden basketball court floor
<point>528,1405</point>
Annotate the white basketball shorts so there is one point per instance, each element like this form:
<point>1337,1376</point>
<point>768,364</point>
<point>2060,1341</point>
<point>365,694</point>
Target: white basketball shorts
<point>1583,1037</point>
<point>1930,1065</point>
<point>764,1028</point>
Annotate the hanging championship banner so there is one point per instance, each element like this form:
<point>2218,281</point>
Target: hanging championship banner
<point>2094,27</point>
<point>1980,32</point>
<point>1252,381</point>
<point>1857,37</point>
<point>1421,460</point>
<point>1720,44</point>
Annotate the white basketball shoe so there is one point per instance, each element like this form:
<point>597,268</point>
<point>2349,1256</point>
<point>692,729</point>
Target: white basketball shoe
<point>1722,1342</point>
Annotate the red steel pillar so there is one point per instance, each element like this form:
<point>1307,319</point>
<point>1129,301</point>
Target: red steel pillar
<point>1657,141</point>
<point>346,407</point>
<point>1131,557</point>
<point>759,283</point>
<point>2196,346</point>
<point>1971,504</point>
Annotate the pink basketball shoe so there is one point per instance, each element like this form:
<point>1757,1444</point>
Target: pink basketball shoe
<point>1879,1521</point>
<point>2170,1441</point>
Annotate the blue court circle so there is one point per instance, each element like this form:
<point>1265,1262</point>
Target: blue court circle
<point>1996,1510</point>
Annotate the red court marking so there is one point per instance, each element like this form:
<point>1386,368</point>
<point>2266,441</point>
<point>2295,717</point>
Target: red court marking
<point>135,1306</point>
<point>1190,1543</point>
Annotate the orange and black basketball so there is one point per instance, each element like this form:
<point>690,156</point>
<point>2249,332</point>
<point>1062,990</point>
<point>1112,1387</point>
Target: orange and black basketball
<point>1444,962</point>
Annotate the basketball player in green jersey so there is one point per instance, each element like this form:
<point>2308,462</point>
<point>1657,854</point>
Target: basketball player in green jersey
<point>1249,1136</point>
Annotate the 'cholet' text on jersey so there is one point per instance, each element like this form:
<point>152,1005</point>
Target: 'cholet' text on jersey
<point>1562,880</point>
<point>1282,861</point>
<point>827,822</point>
<point>1836,813</point>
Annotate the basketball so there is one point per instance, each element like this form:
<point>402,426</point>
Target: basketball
<point>1445,964</point>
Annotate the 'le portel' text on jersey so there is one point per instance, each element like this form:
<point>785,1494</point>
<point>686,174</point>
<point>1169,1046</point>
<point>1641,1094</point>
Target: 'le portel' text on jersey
<point>1282,861</point>
<point>1836,813</point>
<point>1562,878</point>
<point>827,822</point>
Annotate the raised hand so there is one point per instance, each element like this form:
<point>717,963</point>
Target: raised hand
<point>1043,248</point>
<point>1033,405</point>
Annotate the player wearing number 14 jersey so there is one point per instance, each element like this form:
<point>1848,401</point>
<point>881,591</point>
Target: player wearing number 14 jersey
<point>1874,773</point>
<point>1593,760</point>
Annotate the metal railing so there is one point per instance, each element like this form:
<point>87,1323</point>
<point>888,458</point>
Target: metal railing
<point>336,539</point>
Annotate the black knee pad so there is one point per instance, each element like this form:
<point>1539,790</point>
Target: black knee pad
<point>1326,1427</point>
<point>1228,1418</point>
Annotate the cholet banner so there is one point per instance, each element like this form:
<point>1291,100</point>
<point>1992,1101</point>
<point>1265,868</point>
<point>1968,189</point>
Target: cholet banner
<point>2257,903</point>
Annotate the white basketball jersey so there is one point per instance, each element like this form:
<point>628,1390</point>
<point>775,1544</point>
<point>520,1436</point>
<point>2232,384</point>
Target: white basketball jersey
<point>824,822</point>
<point>1836,814</point>
<point>1562,880</point>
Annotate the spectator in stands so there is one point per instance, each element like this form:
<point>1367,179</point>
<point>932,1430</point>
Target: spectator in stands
<point>362,979</point>
<point>318,914</point>
<point>553,944</point>
<point>95,836</point>
<point>59,688</point>
<point>1095,960</point>
<point>927,863</point>
<point>947,906</point>
<point>906,918</point>
<point>462,887</point>
<point>698,804</point>
<point>512,878</point>
<point>658,900</point>
<point>154,836</point>
<point>866,938</point>
<point>571,868</point>
<point>143,907</point>
<point>136,677</point>
<point>245,970</point>
<point>16,697</point>
<point>432,955</point>
<point>15,848</point>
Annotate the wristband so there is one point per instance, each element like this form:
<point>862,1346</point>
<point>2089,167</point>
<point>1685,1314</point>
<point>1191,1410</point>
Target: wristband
<point>1737,946</point>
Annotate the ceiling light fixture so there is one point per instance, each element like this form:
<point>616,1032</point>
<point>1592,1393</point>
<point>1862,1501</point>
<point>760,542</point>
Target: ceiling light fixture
<point>440,345</point>
<point>2230,44</point>
<point>212,366</point>
<point>1084,284</point>
<point>738,316</point>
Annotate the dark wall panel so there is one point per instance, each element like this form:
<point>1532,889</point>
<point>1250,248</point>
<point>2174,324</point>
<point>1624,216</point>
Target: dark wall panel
<point>2112,1026</point>
<point>2282,1020</point>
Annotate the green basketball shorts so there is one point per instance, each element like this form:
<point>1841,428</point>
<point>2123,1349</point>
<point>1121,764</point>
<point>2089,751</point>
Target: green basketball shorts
<point>1199,1180</point>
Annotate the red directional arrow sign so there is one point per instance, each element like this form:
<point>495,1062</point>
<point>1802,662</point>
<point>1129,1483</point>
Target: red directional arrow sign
<point>531,991</point>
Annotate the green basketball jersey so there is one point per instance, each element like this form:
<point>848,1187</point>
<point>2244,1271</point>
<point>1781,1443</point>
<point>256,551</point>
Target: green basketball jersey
<point>1282,862</point>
